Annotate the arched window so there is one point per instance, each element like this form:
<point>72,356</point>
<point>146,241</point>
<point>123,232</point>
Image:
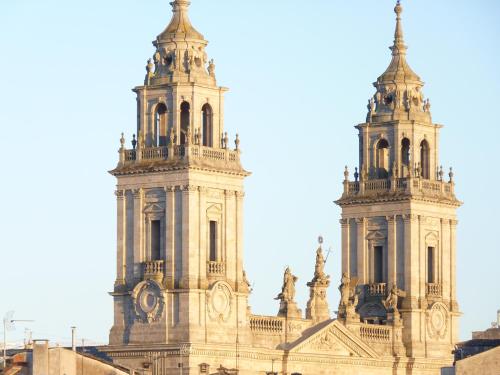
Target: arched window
<point>207,125</point>
<point>383,159</point>
<point>185,120</point>
<point>160,130</point>
<point>425,160</point>
<point>405,152</point>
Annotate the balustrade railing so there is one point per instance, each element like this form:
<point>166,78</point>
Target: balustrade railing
<point>373,333</point>
<point>410,185</point>
<point>180,152</point>
<point>153,268</point>
<point>377,289</point>
<point>216,268</point>
<point>434,289</point>
<point>266,324</point>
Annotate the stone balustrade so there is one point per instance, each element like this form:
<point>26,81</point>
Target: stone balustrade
<point>216,268</point>
<point>176,152</point>
<point>410,185</point>
<point>375,333</point>
<point>434,289</point>
<point>153,269</point>
<point>377,289</point>
<point>266,324</point>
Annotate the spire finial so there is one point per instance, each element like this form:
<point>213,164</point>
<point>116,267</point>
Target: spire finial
<point>399,44</point>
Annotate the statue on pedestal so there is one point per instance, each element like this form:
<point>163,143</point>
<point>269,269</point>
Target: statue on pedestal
<point>288,307</point>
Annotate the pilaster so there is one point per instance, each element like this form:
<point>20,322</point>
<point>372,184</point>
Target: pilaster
<point>346,252</point>
<point>121,234</point>
<point>138,233</point>
<point>362,258</point>
<point>170,276</point>
<point>392,253</point>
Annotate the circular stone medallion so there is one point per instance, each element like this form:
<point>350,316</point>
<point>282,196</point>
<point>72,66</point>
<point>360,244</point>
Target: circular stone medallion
<point>148,301</point>
<point>220,302</point>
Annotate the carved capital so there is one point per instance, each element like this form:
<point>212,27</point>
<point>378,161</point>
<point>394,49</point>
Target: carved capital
<point>454,222</point>
<point>391,219</point>
<point>344,222</point>
<point>202,189</point>
<point>240,194</point>
<point>360,220</point>
<point>189,188</point>
<point>120,194</point>
<point>410,217</point>
<point>169,189</point>
<point>229,193</point>
<point>137,193</point>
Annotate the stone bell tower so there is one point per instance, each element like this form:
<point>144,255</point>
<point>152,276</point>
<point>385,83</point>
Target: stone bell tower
<point>180,196</point>
<point>399,215</point>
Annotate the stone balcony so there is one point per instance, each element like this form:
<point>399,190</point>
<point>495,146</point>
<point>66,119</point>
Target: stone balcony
<point>153,270</point>
<point>398,187</point>
<point>216,269</point>
<point>377,290</point>
<point>176,156</point>
<point>434,290</point>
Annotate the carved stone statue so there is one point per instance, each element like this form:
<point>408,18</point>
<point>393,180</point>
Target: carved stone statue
<point>319,268</point>
<point>288,290</point>
<point>345,286</point>
<point>211,68</point>
<point>288,307</point>
<point>391,302</point>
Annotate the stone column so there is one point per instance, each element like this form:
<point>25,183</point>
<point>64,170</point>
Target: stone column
<point>138,233</point>
<point>189,278</point>
<point>392,252</point>
<point>445,260</point>
<point>121,236</point>
<point>203,230</point>
<point>170,276</point>
<point>453,276</point>
<point>239,240</point>
<point>361,242</point>
<point>317,307</point>
<point>346,250</point>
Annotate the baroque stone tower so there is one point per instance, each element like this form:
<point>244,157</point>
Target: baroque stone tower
<point>179,195</point>
<point>399,215</point>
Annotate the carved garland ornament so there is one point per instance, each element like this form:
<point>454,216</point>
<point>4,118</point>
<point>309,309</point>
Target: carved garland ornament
<point>148,301</point>
<point>437,321</point>
<point>219,302</point>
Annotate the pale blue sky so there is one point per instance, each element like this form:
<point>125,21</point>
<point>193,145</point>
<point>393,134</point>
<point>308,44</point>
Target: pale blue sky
<point>300,74</point>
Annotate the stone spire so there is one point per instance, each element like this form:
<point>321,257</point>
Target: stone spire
<point>399,88</point>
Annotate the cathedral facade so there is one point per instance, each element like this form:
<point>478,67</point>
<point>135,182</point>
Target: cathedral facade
<point>181,292</point>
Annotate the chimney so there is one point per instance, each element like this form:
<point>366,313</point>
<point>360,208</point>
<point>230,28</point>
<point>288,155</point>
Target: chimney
<point>40,357</point>
<point>73,339</point>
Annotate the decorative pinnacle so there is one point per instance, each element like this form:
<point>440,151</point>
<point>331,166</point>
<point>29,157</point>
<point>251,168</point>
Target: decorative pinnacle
<point>399,44</point>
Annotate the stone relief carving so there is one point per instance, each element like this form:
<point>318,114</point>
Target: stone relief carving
<point>148,301</point>
<point>219,302</point>
<point>437,321</point>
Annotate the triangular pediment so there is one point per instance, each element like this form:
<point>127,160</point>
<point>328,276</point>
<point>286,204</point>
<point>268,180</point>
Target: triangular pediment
<point>154,208</point>
<point>376,235</point>
<point>334,339</point>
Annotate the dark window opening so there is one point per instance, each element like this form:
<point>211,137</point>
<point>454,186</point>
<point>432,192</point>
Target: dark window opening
<point>207,128</point>
<point>155,240</point>
<point>430,266</point>
<point>160,131</point>
<point>424,159</point>
<point>185,121</point>
<point>383,159</point>
<point>405,152</point>
<point>213,241</point>
<point>378,264</point>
